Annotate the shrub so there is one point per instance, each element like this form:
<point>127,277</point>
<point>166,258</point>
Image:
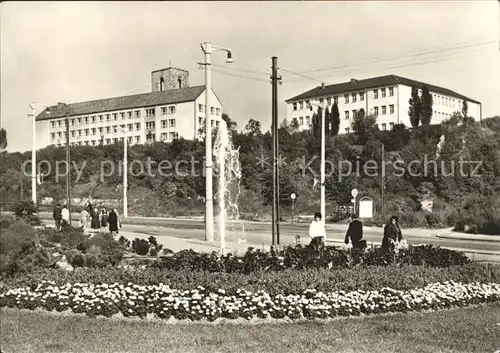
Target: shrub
<point>11,238</point>
<point>153,252</point>
<point>73,238</point>
<point>26,210</point>
<point>6,221</point>
<point>140,246</point>
<point>75,258</point>
<point>124,242</point>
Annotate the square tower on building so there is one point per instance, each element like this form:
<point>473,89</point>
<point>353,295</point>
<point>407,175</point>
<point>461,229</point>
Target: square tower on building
<point>169,79</point>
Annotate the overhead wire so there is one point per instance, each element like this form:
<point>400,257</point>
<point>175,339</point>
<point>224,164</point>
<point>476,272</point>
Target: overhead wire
<point>398,65</point>
<point>239,76</point>
<point>397,56</point>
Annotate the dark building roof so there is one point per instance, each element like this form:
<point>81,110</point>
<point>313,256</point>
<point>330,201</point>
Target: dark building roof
<point>356,85</point>
<point>150,99</point>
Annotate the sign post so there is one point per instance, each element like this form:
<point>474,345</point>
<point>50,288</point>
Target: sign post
<point>354,193</point>
<point>293,196</point>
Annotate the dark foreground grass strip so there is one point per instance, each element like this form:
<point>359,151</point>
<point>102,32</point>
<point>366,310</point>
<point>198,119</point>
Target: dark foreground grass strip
<point>466,330</point>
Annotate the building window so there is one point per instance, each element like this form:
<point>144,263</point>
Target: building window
<point>353,95</point>
<point>383,92</point>
<point>212,111</point>
<point>301,105</point>
<point>346,114</point>
<point>375,93</point>
<point>92,118</point>
<point>173,135</point>
<point>73,133</point>
<point>122,127</point>
<point>115,116</point>
<point>137,126</point>
<point>115,140</point>
<point>164,111</point>
<point>115,128</point>
<point>94,130</point>
<point>361,96</point>
<point>336,99</point>
<point>294,106</point>
<point>53,135</point>
<point>137,113</point>
<point>171,123</point>
<point>391,91</point>
<point>164,124</point>
<point>217,123</point>
<point>171,109</point>
<point>108,118</point>
<point>329,101</point>
<point>53,124</point>
<point>217,112</point>
<point>122,115</point>
<point>354,113</point>
<point>108,141</point>
<point>150,125</point>
<point>200,108</point>
<point>375,110</point>
<point>384,127</point>
<point>79,132</point>
<point>130,127</point>
<point>129,115</point>
<point>212,123</point>
<point>384,110</point>
<point>79,121</point>
<point>391,109</point>
<point>150,112</point>
<point>347,130</point>
<point>321,100</point>
<point>391,125</point>
<point>200,120</point>
<point>137,139</point>
<point>301,120</point>
<point>346,98</point>
<point>86,120</point>
<point>308,120</point>
<point>129,139</point>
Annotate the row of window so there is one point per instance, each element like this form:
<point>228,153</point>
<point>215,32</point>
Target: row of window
<point>447,102</point>
<point>348,98</point>
<point>100,130</point>
<point>168,136</point>
<point>383,127</point>
<point>213,110</point>
<point>96,118</point>
<point>376,111</point>
<point>168,123</point>
<point>108,141</point>
<point>201,122</point>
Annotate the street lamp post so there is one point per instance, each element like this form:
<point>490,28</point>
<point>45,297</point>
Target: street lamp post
<point>208,49</point>
<point>33,153</point>
<point>323,106</point>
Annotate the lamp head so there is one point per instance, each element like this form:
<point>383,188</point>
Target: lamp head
<point>229,59</point>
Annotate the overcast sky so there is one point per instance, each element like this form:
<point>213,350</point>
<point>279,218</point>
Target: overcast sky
<point>71,52</point>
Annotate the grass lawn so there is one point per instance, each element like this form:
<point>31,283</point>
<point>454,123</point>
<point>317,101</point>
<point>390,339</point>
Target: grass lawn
<point>467,330</point>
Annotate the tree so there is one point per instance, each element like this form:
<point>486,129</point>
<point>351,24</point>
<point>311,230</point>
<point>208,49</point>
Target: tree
<point>414,111</point>
<point>231,124</point>
<point>294,125</point>
<point>253,128</point>
<point>334,120</point>
<point>465,110</point>
<point>316,124</point>
<point>363,126</point>
<point>327,122</point>
<point>3,139</point>
<point>426,106</point>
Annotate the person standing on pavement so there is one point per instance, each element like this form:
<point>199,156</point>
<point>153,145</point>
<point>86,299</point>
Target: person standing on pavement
<point>355,233</point>
<point>317,232</point>
<point>104,218</point>
<point>113,222</point>
<point>392,234</point>
<point>65,217</point>
<point>84,219</point>
<point>57,215</point>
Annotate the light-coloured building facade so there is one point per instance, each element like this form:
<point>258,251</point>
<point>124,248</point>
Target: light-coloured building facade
<point>172,110</point>
<point>387,97</point>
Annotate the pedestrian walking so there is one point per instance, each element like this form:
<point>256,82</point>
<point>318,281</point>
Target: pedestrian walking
<point>355,233</point>
<point>317,232</point>
<point>65,217</point>
<point>392,234</point>
<point>95,224</point>
<point>104,218</point>
<point>84,219</point>
<point>57,215</point>
<point>113,222</point>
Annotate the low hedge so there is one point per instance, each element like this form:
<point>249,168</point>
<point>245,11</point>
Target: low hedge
<point>287,282</point>
<point>302,257</point>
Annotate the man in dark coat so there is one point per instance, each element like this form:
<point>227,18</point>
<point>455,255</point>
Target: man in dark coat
<point>355,233</point>
<point>113,222</point>
<point>57,215</point>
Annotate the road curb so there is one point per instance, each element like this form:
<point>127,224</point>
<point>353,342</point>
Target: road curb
<point>478,237</point>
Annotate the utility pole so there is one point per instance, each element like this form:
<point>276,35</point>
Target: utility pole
<point>33,152</point>
<point>383,185</point>
<point>68,167</point>
<point>274,130</point>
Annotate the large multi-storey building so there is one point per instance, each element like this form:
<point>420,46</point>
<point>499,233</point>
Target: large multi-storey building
<point>387,97</point>
<point>173,109</point>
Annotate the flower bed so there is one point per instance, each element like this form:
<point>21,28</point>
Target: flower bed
<point>165,302</point>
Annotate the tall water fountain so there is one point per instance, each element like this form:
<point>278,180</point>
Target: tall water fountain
<point>228,172</point>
